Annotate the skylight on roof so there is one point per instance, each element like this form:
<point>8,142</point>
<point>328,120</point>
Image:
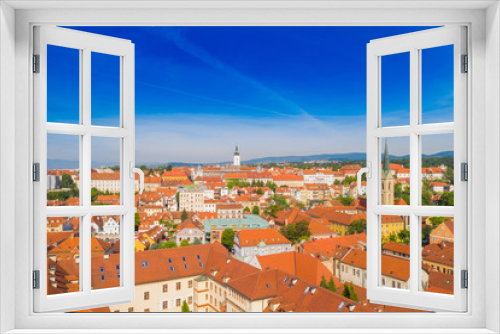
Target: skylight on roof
<point>186,266</point>
<point>102,277</point>
<point>172,269</point>
<point>285,280</point>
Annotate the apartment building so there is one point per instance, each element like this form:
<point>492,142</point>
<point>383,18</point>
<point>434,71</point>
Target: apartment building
<point>191,200</point>
<point>253,242</point>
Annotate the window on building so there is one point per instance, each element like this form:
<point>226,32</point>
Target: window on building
<point>165,304</point>
<point>165,287</point>
<point>178,285</point>
<point>146,295</point>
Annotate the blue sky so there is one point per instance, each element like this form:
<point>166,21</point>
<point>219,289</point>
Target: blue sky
<point>273,90</point>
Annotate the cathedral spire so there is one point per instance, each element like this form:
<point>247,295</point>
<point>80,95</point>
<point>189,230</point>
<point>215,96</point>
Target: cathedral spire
<point>387,166</point>
<point>236,156</point>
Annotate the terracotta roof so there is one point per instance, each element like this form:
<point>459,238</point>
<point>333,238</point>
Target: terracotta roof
<point>288,177</point>
<point>316,227</point>
<point>396,247</point>
<point>440,282</point>
<point>252,237</point>
<point>301,265</point>
<point>328,246</point>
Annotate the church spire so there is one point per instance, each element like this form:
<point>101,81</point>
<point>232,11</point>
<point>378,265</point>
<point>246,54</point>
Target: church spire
<point>387,166</point>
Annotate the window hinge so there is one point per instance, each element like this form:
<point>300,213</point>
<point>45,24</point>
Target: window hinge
<point>465,279</point>
<point>36,172</point>
<point>464,172</point>
<point>36,279</point>
<point>465,64</point>
<point>36,63</point>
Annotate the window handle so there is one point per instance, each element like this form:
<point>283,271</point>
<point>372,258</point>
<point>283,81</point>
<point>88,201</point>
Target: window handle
<point>139,171</point>
<point>368,171</point>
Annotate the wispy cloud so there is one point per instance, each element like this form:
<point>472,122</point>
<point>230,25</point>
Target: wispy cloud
<point>175,36</point>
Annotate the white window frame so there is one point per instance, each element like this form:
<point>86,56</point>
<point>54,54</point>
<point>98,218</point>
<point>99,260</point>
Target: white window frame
<point>413,43</point>
<point>85,43</point>
<point>483,20</point>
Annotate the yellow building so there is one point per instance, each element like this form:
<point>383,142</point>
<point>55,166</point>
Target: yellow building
<point>391,224</point>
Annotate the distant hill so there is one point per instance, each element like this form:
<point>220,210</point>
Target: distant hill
<point>354,156</point>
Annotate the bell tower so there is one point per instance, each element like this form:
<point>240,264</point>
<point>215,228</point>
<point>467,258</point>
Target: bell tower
<point>388,182</point>
<point>236,157</point>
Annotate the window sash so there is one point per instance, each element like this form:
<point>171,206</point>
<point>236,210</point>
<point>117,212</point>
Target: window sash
<point>413,43</point>
<point>86,43</point>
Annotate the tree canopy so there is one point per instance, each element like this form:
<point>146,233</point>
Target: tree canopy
<point>296,232</point>
<point>227,238</point>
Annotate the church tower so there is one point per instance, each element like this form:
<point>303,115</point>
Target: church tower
<point>388,181</point>
<point>236,157</point>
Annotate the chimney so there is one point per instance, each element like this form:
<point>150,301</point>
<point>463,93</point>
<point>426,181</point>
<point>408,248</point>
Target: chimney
<point>351,307</point>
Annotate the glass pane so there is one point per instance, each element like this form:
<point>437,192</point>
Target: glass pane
<point>106,174</point>
<point>105,250</point>
<point>63,255</point>
<point>437,254</point>
<point>437,170</point>
<point>63,163</point>
<point>395,89</point>
<point>105,89</point>
<point>437,84</point>
<point>395,173</point>
<point>395,261</point>
<point>63,85</point>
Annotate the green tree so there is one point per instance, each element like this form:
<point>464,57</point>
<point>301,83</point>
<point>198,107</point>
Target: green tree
<point>349,180</point>
<point>227,238</point>
<point>330,285</point>
<point>67,181</point>
<point>449,175</point>
<point>154,246</point>
<point>197,241</point>
<point>398,190</point>
<point>436,221</point>
<point>296,232</point>
<point>404,236</point>
<point>93,194</point>
<point>169,168</point>
<point>349,292</point>
<point>184,215</point>
<point>357,226</point>
<point>185,307</point>
<point>346,201</point>
<point>256,210</point>
<point>246,209</point>
<point>185,243</point>
<point>447,199</point>
<point>168,244</point>
<point>406,198</point>
<point>260,191</point>
<point>137,219</point>
<point>393,237</point>
<point>177,194</point>
<point>426,230</point>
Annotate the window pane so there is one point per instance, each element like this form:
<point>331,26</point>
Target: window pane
<point>63,163</point>
<point>395,90</point>
<point>105,250</point>
<point>105,89</point>
<point>437,170</point>
<point>63,85</point>
<point>63,255</point>
<point>395,173</point>
<point>106,171</point>
<point>395,261</point>
<point>437,84</point>
<point>438,254</point>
